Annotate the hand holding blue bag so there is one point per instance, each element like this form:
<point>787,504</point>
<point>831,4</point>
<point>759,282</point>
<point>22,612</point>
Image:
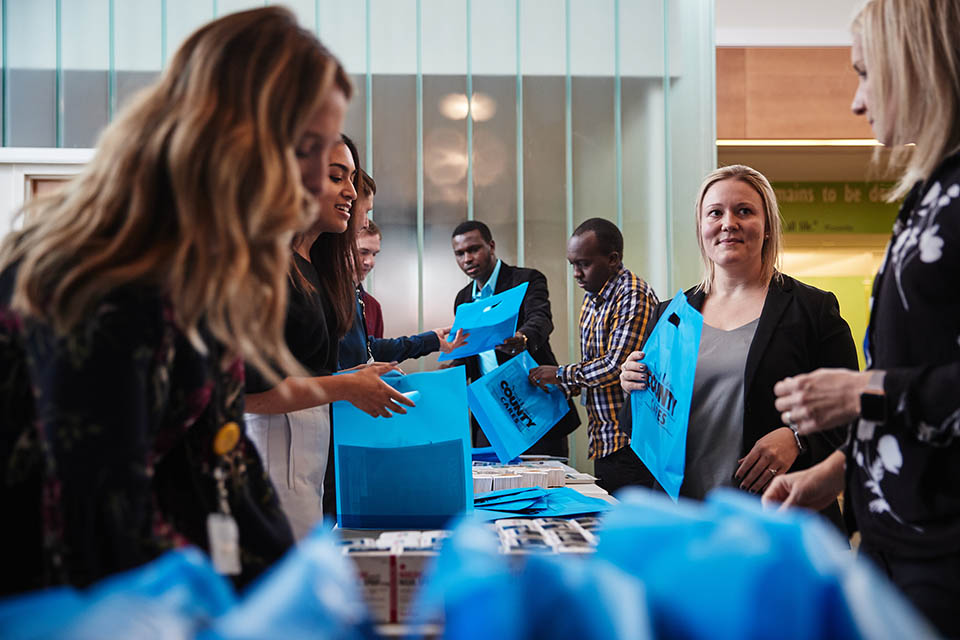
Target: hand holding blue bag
<point>661,412</point>
<point>489,321</point>
<point>513,413</point>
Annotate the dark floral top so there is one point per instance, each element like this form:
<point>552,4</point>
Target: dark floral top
<point>106,445</point>
<point>903,474</point>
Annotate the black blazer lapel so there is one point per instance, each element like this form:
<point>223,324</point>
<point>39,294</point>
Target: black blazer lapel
<point>504,278</point>
<point>778,299</point>
<point>695,298</point>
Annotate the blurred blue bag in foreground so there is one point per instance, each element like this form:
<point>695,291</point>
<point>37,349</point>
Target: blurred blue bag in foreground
<point>411,470</point>
<point>313,592</point>
<point>174,596</point>
<point>489,321</point>
<point>513,413</point>
<point>727,569</point>
<point>481,594</point>
<point>661,412</point>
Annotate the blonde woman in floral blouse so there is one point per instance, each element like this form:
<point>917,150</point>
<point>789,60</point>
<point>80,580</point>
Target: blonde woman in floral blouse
<point>130,300</point>
<point>901,463</point>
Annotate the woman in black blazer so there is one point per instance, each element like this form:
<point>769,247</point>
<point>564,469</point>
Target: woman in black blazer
<point>759,327</point>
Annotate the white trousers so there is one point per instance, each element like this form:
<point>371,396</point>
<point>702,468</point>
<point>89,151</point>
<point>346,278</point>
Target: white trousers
<point>294,448</point>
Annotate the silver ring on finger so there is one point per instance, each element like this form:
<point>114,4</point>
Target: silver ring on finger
<point>773,471</point>
<point>787,417</point>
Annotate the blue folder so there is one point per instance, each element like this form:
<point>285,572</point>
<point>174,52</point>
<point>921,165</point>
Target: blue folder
<point>412,470</point>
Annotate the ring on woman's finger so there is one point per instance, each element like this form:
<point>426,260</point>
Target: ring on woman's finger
<point>773,471</point>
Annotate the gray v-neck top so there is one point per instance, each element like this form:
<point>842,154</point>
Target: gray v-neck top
<point>715,434</point>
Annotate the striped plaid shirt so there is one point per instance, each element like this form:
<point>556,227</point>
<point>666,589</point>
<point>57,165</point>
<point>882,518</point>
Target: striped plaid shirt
<point>612,325</point>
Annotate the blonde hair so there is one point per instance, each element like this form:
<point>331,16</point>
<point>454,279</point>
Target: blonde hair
<point>911,50</point>
<point>773,228</point>
<point>194,189</point>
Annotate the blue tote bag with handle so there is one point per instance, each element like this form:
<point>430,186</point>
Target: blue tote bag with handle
<point>661,412</point>
<point>513,413</point>
<point>410,471</point>
<point>489,321</point>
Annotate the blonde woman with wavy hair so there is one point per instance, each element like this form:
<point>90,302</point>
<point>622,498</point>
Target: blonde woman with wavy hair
<point>759,326</point>
<point>131,299</point>
<point>901,465</point>
<point>772,246</point>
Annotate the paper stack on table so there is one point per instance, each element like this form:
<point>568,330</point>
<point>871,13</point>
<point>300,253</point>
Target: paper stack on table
<point>391,568</point>
<point>556,535</point>
<point>522,475</point>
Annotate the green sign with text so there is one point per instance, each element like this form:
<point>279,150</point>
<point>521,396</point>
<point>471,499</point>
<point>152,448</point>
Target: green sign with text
<point>835,207</point>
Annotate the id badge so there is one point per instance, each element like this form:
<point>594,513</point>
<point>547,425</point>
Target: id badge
<point>224,539</point>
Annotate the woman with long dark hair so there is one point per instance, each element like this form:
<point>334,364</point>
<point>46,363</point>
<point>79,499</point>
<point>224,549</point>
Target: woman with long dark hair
<point>290,422</point>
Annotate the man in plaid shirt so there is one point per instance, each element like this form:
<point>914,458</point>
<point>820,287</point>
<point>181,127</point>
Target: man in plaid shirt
<point>613,320</point>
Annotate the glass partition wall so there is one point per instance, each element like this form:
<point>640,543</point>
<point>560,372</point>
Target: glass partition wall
<point>530,115</point>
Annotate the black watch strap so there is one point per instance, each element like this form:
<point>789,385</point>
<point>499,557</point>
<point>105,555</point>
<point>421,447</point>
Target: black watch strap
<point>873,407</point>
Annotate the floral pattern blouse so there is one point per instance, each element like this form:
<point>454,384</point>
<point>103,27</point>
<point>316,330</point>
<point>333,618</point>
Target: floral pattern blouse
<point>106,445</point>
<point>904,473</point>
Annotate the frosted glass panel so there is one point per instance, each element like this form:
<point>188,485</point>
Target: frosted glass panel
<point>183,18</point>
<point>612,116</point>
<point>84,77</point>
<point>137,42</point>
<point>495,162</point>
<point>31,115</point>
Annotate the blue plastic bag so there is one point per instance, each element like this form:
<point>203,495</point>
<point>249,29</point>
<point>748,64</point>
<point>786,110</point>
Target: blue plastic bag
<point>513,413</point>
<point>489,321</point>
<point>582,599</point>
<point>313,592</point>
<point>481,594</point>
<point>661,412</point>
<point>727,569</point>
<point>409,471</point>
<point>174,596</point>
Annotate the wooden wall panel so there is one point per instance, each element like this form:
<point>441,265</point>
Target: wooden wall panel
<point>731,92</point>
<point>787,92</point>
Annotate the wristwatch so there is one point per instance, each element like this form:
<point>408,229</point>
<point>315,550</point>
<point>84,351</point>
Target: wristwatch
<point>873,400</point>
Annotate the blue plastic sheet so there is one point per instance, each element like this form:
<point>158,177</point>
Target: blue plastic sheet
<point>489,321</point>
<point>536,503</point>
<point>513,413</point>
<point>508,495</point>
<point>487,454</point>
<point>661,412</point>
<point>727,569</point>
<point>409,471</point>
